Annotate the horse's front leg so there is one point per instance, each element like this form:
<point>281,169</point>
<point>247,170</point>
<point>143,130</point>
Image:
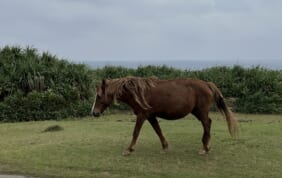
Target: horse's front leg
<point>138,125</point>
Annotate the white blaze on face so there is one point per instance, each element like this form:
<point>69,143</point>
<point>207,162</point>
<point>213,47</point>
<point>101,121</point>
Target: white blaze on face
<point>92,110</point>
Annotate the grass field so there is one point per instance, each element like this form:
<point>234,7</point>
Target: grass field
<point>91,147</point>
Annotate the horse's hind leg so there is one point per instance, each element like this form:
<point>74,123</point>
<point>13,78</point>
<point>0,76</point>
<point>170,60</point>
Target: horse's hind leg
<point>155,124</point>
<point>206,123</point>
<point>206,139</point>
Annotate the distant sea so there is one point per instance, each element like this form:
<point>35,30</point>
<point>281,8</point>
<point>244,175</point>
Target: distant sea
<point>189,65</point>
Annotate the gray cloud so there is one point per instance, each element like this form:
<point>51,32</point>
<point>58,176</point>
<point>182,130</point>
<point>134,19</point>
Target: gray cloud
<point>147,29</point>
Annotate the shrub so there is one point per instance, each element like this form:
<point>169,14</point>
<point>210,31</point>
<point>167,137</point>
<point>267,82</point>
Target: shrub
<point>36,86</point>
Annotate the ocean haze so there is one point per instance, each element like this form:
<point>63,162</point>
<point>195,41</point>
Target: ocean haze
<point>189,65</point>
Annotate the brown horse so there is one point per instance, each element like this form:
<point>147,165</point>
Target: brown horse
<point>168,99</point>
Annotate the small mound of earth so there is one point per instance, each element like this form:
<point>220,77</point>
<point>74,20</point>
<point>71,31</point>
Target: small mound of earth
<point>53,128</point>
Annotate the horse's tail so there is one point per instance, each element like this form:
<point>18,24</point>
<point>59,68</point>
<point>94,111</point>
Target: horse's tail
<point>222,107</point>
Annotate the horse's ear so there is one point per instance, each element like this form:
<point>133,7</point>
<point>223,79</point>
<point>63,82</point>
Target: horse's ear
<point>104,84</point>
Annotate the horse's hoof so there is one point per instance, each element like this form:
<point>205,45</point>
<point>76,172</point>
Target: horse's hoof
<point>164,151</point>
<point>126,153</point>
<point>203,152</point>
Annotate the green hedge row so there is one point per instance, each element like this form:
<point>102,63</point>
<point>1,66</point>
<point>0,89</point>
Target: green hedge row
<point>40,86</point>
<point>36,86</point>
<point>248,90</point>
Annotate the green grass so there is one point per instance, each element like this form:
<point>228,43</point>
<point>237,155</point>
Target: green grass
<point>93,148</point>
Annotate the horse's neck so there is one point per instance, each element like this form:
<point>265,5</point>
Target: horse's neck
<point>127,99</point>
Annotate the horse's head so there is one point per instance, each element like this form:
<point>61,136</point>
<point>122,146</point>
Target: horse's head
<point>102,100</point>
<point>130,89</point>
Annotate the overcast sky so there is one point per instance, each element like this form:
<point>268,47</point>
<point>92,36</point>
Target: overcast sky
<point>82,30</point>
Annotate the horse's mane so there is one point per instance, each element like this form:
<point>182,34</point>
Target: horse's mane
<point>136,86</point>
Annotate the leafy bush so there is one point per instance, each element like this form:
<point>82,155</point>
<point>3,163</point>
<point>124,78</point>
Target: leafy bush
<point>248,90</point>
<point>36,86</point>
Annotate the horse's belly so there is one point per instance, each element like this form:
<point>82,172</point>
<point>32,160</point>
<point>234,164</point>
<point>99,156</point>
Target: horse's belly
<point>172,105</point>
<point>173,115</point>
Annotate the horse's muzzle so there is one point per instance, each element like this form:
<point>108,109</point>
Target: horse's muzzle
<point>96,114</point>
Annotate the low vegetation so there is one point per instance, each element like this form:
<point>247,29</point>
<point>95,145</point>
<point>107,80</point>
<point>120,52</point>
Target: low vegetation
<point>37,86</point>
<point>91,147</point>
<point>40,86</point>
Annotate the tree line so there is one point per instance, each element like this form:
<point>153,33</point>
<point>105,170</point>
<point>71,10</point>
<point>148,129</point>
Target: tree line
<point>40,86</point>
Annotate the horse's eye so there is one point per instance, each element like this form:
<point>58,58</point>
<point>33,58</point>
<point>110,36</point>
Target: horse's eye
<point>98,97</point>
